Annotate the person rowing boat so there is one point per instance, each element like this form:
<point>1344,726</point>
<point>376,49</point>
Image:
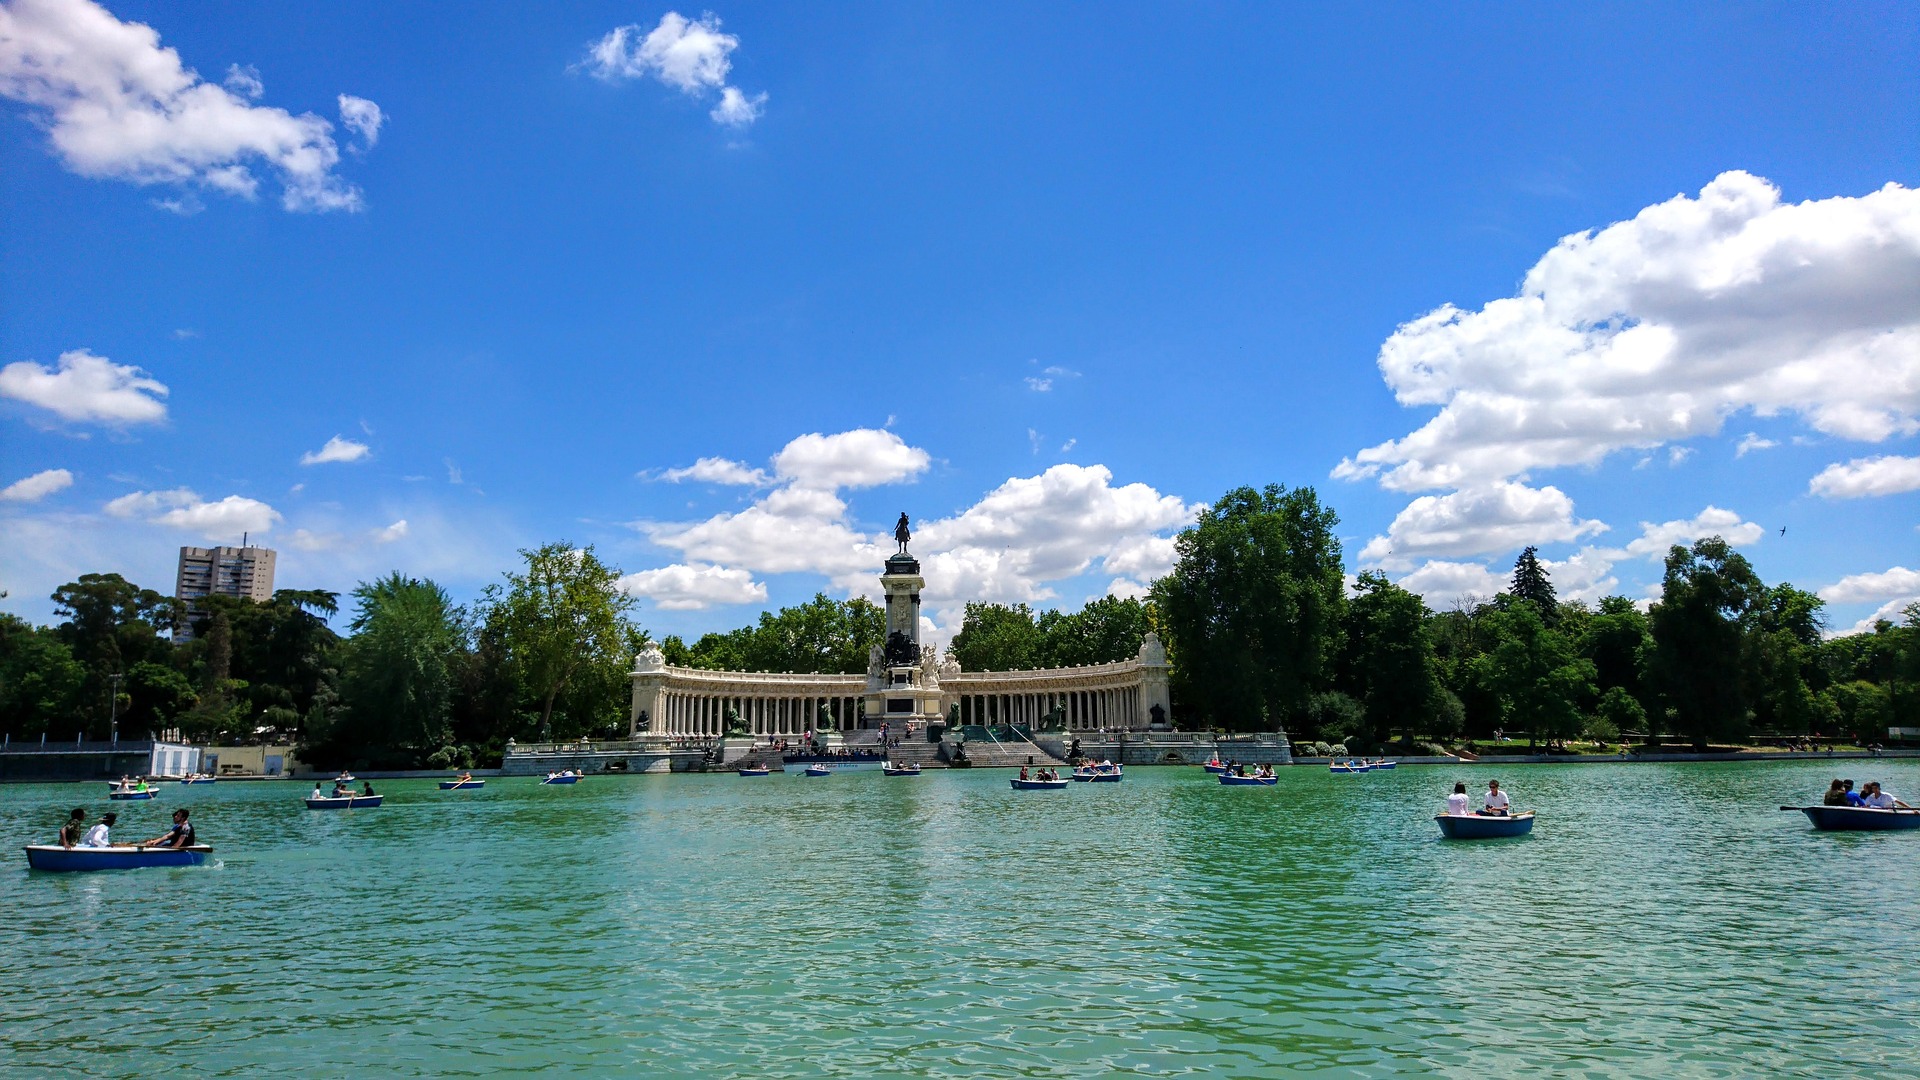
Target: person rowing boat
<point>180,836</point>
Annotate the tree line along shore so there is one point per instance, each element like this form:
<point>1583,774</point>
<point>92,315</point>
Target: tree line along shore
<point>1263,628</point>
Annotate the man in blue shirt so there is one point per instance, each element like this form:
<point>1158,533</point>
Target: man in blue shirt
<point>1853,797</point>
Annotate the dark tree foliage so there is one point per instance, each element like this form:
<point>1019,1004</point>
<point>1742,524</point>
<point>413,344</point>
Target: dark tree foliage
<point>41,684</point>
<point>1616,640</point>
<point>998,637</point>
<point>1531,583</point>
<point>1710,596</point>
<point>110,624</point>
<point>1253,607</point>
<point>1389,663</point>
<point>821,636</point>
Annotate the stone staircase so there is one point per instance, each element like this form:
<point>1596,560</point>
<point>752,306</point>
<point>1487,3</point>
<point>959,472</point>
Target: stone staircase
<point>1006,755</point>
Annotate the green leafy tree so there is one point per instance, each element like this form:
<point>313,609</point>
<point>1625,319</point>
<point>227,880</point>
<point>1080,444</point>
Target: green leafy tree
<point>1709,596</point>
<point>1103,631</point>
<point>821,636</point>
<point>157,697</point>
<point>396,678</point>
<point>1253,607</point>
<point>1542,685</point>
<point>998,637</point>
<point>41,684</point>
<point>564,615</point>
<point>109,624</point>
<point>1616,640</point>
<point>1389,663</point>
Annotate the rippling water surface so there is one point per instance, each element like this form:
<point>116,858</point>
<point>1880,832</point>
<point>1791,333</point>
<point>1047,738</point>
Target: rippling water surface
<point>1662,920</point>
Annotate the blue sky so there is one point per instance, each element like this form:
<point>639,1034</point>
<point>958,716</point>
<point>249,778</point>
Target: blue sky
<point>1044,277</point>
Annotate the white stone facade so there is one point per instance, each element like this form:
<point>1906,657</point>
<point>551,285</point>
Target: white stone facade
<point>681,701</point>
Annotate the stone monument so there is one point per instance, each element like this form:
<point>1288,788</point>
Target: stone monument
<point>903,682</point>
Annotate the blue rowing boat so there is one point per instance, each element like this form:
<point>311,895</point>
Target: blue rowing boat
<point>1858,818</point>
<point>55,857</point>
<point>197,778</point>
<point>1348,767</point>
<point>562,778</point>
<point>904,770</point>
<point>1230,780</point>
<point>746,770</point>
<point>817,770</point>
<point>1040,785</point>
<point>457,785</point>
<point>344,802</point>
<point>1484,826</point>
<point>1216,768</point>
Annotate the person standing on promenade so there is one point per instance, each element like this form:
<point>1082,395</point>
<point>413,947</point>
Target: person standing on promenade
<point>1457,802</point>
<point>1496,800</point>
<point>75,828</point>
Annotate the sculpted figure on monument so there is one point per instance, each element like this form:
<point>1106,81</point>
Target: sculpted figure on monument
<point>901,533</point>
<point>901,651</point>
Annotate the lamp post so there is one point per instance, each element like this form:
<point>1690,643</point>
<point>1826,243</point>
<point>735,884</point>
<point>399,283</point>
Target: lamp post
<point>113,710</point>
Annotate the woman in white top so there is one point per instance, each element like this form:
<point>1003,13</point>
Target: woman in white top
<point>1496,799</point>
<point>1457,802</point>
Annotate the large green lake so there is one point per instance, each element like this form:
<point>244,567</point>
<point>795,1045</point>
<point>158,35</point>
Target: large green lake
<point>1661,920</point>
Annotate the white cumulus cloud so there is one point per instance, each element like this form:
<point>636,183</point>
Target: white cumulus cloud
<point>863,457</point>
<point>116,104</point>
<point>694,586</point>
<point>1896,583</point>
<point>182,508</point>
<point>1865,477</point>
<point>87,387</point>
<point>1655,539</point>
<point>395,531</point>
<point>362,117</point>
<point>717,470</point>
<point>1656,329</point>
<point>1010,546</point>
<point>690,55</point>
<point>1751,442</point>
<point>1481,520</point>
<point>337,450</point>
<point>36,487</point>
<point>1444,583</point>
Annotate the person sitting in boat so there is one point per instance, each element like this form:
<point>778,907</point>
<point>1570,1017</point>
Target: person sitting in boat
<point>466,778</point>
<point>97,836</point>
<point>180,836</point>
<point>75,828</point>
<point>1836,794</point>
<point>1853,797</point>
<point>1457,802</point>
<point>1023,772</point>
<point>317,793</point>
<point>366,788</point>
<point>1878,798</point>
<point>1496,800</point>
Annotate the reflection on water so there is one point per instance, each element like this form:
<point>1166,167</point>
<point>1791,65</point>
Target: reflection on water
<point>1661,919</point>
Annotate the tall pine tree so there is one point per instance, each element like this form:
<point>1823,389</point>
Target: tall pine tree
<point>1531,583</point>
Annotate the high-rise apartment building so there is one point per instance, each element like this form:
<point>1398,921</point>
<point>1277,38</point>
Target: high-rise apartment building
<point>221,571</point>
